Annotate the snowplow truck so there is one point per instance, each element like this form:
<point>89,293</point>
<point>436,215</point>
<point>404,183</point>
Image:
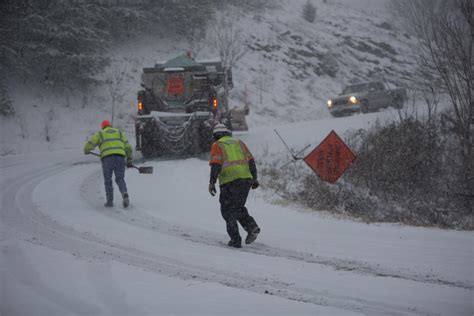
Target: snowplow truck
<point>181,102</point>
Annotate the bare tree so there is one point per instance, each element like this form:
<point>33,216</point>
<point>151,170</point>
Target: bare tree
<point>21,120</point>
<point>229,43</point>
<point>114,83</point>
<point>48,124</point>
<point>231,48</point>
<point>445,31</point>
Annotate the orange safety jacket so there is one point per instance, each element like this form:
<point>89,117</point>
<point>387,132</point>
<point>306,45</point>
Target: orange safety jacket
<point>233,155</point>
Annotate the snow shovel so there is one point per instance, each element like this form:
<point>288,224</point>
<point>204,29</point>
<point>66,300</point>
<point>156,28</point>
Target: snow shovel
<point>144,170</point>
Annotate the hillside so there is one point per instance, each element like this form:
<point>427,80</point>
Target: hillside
<point>297,65</point>
<point>290,69</point>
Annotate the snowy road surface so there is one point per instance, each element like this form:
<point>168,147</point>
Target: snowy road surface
<point>62,252</point>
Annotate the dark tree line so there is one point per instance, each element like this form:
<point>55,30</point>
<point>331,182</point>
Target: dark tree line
<point>62,45</point>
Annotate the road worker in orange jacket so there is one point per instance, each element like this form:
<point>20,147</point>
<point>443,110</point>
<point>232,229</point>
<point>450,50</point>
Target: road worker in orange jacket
<point>234,166</point>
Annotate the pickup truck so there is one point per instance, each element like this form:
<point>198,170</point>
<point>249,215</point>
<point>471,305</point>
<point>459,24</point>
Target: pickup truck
<point>366,97</point>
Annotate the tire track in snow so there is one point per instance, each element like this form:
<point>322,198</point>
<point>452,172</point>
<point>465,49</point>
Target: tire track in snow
<point>24,220</point>
<point>136,217</point>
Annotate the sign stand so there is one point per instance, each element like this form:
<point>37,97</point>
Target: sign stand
<point>329,160</point>
<point>294,156</point>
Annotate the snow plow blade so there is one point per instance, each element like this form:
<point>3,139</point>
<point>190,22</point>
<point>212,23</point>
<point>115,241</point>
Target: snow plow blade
<point>145,170</point>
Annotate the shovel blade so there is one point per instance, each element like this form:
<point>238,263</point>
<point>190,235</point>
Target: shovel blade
<point>145,170</point>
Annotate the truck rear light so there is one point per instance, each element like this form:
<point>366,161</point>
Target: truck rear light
<point>214,103</point>
<point>140,106</point>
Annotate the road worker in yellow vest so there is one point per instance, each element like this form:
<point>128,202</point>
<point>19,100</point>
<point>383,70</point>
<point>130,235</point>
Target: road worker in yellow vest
<point>234,166</point>
<point>114,149</point>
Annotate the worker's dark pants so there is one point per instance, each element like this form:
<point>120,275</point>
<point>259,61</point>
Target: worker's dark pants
<point>233,196</point>
<point>114,164</point>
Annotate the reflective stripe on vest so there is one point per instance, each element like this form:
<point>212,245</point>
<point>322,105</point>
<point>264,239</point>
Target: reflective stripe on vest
<point>235,164</point>
<point>111,142</point>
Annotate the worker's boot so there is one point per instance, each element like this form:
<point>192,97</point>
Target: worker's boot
<point>235,243</point>
<point>109,204</point>
<point>126,201</point>
<point>252,235</point>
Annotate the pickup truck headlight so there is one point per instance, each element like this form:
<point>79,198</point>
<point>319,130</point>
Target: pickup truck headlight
<point>353,100</point>
<point>329,103</point>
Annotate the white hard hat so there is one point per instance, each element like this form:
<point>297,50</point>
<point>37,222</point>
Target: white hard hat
<point>220,128</point>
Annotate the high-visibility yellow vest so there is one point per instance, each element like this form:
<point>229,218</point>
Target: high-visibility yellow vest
<point>111,141</point>
<point>235,165</point>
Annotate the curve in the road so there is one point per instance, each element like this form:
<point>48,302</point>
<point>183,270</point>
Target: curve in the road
<point>137,217</point>
<point>25,220</point>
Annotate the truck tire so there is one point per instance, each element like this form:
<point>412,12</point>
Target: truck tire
<point>148,149</point>
<point>195,145</point>
<point>205,138</point>
<point>150,145</point>
<point>138,145</point>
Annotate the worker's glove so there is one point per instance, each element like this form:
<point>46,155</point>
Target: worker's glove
<point>129,164</point>
<point>255,184</point>
<point>212,189</point>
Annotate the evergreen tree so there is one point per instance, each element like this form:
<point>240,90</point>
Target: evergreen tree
<point>62,45</point>
<point>52,43</point>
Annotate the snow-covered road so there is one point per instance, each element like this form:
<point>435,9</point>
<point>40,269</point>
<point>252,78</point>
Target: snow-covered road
<point>62,252</point>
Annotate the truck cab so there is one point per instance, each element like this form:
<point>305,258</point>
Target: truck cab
<point>181,101</point>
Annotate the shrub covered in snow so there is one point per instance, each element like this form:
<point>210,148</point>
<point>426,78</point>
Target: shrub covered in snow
<point>408,172</point>
<point>309,12</point>
<point>329,64</point>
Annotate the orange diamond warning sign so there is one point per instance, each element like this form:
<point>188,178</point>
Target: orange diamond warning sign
<point>331,158</point>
